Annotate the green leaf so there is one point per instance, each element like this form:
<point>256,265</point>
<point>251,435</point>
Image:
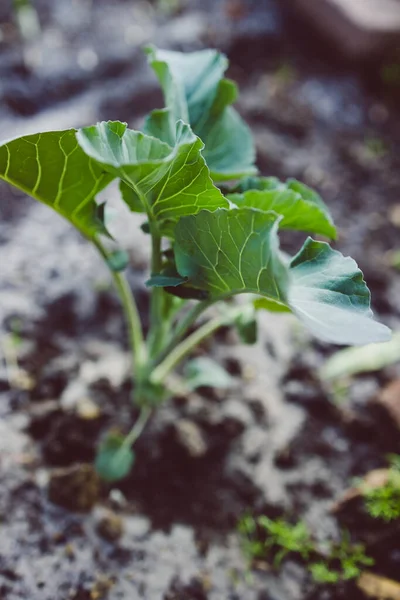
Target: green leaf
<point>321,573</point>
<point>329,295</point>
<point>301,208</point>
<point>131,198</point>
<point>255,183</point>
<point>114,460</point>
<point>236,251</point>
<point>203,371</point>
<point>165,279</point>
<point>52,168</point>
<point>246,324</point>
<point>118,260</point>
<point>232,252</point>
<point>195,91</point>
<point>371,357</point>
<point>270,305</point>
<point>168,182</point>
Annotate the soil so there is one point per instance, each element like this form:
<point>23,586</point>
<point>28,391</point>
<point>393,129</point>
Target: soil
<point>276,443</point>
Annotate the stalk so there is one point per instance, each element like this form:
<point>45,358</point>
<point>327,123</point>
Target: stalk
<point>181,329</point>
<point>157,318</point>
<point>136,339</point>
<point>184,348</point>
<point>137,429</point>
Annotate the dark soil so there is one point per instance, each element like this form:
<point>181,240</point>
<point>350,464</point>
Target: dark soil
<point>276,443</point>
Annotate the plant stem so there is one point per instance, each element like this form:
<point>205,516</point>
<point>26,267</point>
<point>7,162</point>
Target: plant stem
<point>157,321</point>
<point>138,347</point>
<point>185,347</point>
<point>182,327</point>
<point>138,427</point>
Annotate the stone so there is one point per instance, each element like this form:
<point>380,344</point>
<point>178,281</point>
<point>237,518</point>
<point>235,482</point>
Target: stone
<point>190,436</point>
<point>358,28</point>
<point>109,525</point>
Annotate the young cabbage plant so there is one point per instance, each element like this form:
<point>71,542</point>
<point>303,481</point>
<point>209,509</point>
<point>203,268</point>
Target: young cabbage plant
<point>207,246</point>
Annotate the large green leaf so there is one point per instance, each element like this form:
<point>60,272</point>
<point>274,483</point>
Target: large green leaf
<point>234,251</point>
<point>301,208</point>
<point>329,295</point>
<point>195,91</point>
<point>52,168</point>
<point>168,182</point>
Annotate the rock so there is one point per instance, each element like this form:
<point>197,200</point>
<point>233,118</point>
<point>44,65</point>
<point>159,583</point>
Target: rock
<point>375,586</point>
<point>87,409</point>
<point>75,488</point>
<point>190,436</point>
<point>358,29</point>
<point>109,525</point>
<point>137,526</point>
<point>389,400</point>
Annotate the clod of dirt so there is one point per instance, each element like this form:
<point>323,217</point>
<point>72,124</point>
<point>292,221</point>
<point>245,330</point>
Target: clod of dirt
<point>109,525</point>
<point>190,436</point>
<point>195,590</point>
<point>75,488</point>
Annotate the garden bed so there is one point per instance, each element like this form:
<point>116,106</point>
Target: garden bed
<point>276,442</point>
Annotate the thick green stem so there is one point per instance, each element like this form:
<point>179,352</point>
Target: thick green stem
<point>157,320</point>
<point>184,348</point>
<point>138,347</point>
<point>136,431</point>
<point>182,328</point>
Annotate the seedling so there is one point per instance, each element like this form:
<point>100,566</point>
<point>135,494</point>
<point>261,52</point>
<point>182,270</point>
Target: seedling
<point>207,246</point>
<point>274,540</point>
<point>383,502</point>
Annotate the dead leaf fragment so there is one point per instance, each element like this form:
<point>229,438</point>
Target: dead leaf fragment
<point>379,587</point>
<point>375,479</point>
<point>389,400</point>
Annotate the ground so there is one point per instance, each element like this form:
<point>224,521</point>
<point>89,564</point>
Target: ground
<point>277,442</point>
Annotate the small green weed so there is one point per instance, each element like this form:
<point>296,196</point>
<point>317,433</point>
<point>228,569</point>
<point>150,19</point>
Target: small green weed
<point>274,540</point>
<point>384,502</point>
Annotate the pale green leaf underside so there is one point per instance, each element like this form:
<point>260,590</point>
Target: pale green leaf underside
<point>52,168</point>
<point>195,91</point>
<point>372,357</point>
<point>167,182</point>
<point>236,251</point>
<point>301,208</point>
<point>204,371</point>
<point>328,293</point>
